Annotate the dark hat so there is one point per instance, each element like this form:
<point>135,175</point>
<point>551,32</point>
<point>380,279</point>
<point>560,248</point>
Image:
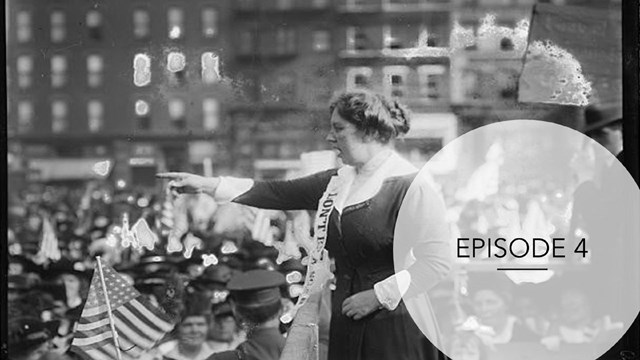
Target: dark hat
<point>26,333</point>
<point>598,116</point>
<point>256,287</point>
<point>153,262</point>
<point>214,276</point>
<point>146,283</point>
<point>234,261</point>
<point>222,309</point>
<point>66,266</point>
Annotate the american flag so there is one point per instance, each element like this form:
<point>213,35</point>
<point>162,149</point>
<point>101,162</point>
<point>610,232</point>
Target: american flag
<point>139,325</point>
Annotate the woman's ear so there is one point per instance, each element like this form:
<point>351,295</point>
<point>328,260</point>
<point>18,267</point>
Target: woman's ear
<point>369,138</point>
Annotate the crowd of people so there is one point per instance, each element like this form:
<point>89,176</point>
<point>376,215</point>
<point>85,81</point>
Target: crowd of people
<point>227,293</point>
<point>47,293</point>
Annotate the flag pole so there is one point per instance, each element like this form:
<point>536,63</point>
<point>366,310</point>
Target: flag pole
<point>111,321</point>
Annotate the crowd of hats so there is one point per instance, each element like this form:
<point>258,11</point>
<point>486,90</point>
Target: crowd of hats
<point>36,289</point>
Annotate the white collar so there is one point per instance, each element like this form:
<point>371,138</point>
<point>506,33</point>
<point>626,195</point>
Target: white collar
<point>375,162</point>
<point>363,185</point>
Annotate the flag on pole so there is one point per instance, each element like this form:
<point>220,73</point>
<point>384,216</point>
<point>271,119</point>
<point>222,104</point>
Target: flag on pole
<point>49,243</point>
<point>138,324</point>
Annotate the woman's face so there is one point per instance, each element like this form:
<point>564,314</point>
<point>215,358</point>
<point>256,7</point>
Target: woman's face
<point>489,305</point>
<point>193,330</point>
<point>223,328</point>
<point>346,139</point>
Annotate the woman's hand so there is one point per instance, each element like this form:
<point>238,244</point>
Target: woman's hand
<point>361,304</point>
<point>185,183</point>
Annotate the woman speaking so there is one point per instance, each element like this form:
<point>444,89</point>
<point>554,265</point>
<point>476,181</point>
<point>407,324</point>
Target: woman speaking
<point>362,200</point>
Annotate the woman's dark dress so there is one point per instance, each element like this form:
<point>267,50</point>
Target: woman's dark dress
<point>361,242</point>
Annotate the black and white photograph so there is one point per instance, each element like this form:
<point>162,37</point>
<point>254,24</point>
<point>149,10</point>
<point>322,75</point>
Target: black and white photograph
<point>321,180</point>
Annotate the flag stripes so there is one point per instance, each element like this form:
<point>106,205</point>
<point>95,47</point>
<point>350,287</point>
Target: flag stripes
<point>138,324</point>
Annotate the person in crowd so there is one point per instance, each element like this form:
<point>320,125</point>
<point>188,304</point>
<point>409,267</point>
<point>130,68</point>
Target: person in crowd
<point>529,308</point>
<point>28,339</point>
<point>578,322</point>
<point>491,302</point>
<point>256,301</point>
<point>190,341</point>
<point>74,277</point>
<point>597,200</point>
<point>369,320</point>
<point>224,332</point>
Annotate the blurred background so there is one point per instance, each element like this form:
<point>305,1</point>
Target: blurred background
<point>102,95</point>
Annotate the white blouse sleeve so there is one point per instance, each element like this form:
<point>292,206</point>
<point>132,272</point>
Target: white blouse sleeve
<point>230,188</point>
<point>390,290</point>
<point>422,232</point>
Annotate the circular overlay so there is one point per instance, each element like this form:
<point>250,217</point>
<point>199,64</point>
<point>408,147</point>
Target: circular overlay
<point>521,240</point>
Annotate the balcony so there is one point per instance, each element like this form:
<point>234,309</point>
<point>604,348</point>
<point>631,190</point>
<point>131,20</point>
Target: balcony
<point>415,53</point>
<point>394,6</point>
<point>244,7</point>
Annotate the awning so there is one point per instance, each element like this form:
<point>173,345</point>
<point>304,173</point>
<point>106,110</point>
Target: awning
<point>70,168</point>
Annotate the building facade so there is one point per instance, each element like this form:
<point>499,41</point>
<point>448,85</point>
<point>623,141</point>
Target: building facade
<point>137,82</point>
<point>295,55</point>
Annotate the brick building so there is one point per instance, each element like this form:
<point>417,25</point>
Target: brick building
<point>131,81</point>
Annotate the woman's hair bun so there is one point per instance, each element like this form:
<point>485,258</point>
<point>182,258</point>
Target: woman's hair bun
<point>400,116</point>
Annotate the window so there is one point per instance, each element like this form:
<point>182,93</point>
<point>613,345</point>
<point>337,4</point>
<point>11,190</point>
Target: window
<point>177,113</point>
<point>176,63</point>
<point>95,112</point>
<point>58,26</point>
<point>507,82</point>
<point>141,70</point>
<point>321,41</point>
<point>391,40</point>
<point>471,80</point>
<point>506,44</point>
<point>395,80</point>
<point>95,67</point>
<point>175,21</point>
<point>285,41</point>
<point>357,39</point>
<point>143,111</point>
<point>210,68</point>
<point>141,24</point>
<point>210,114</point>
<point>432,81</point>
<point>59,116</point>
<point>25,71</point>
<point>25,116</point>
<point>358,77</point>
<point>94,23</point>
<point>58,71</point>
<point>284,4</point>
<point>247,42</point>
<point>23,26</point>
<point>209,22</point>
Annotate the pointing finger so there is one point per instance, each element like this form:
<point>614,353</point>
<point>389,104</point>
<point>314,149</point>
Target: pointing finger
<point>170,175</point>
